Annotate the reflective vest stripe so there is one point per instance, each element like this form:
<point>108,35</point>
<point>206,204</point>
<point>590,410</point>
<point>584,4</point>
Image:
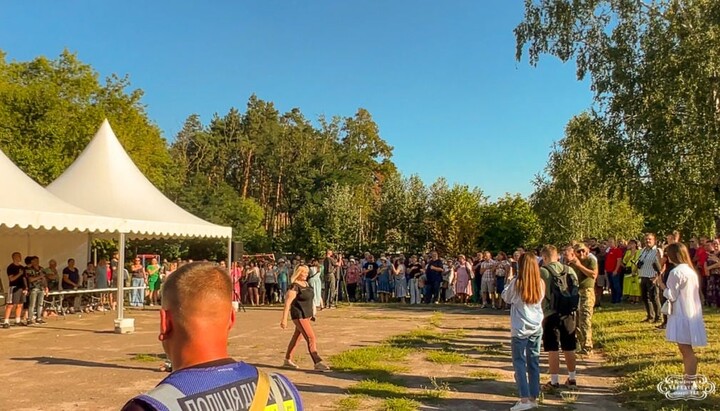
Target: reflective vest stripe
<point>167,395</point>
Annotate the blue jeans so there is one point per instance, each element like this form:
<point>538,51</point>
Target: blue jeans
<point>526,363</point>
<point>283,290</point>
<point>137,299</point>
<point>370,289</point>
<point>616,284</point>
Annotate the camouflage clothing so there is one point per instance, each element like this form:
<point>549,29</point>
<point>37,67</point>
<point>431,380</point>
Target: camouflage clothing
<point>585,312</point>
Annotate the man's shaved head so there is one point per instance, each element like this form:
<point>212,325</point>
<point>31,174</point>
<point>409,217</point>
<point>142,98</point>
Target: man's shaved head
<point>198,298</point>
<point>196,283</point>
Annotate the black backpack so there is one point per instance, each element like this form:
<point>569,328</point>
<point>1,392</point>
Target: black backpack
<point>565,291</point>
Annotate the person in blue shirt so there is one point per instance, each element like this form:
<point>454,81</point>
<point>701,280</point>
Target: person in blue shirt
<point>195,321</point>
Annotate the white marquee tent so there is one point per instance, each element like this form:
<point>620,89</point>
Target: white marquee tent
<point>105,181</point>
<point>35,222</point>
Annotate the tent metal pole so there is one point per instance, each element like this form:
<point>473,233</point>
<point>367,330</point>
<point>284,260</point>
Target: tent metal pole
<point>90,256</point>
<point>229,257</point>
<point>121,277</point>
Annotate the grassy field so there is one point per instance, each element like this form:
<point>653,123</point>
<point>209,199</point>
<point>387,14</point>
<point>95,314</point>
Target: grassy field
<point>380,364</point>
<point>640,356</point>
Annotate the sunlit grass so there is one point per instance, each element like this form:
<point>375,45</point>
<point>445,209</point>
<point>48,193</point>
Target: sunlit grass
<point>350,403</point>
<point>399,404</point>
<point>425,337</point>
<point>436,319</point>
<point>642,358</point>
<point>379,361</point>
<point>484,375</point>
<point>445,357</point>
<point>378,389</point>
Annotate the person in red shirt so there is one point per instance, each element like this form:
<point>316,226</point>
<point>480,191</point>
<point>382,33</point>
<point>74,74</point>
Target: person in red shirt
<point>612,270</point>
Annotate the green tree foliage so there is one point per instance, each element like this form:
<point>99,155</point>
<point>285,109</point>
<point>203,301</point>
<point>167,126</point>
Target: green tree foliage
<point>455,214</point>
<point>283,182</point>
<point>509,223</point>
<point>50,109</point>
<point>654,67</point>
<point>574,199</point>
<point>305,179</point>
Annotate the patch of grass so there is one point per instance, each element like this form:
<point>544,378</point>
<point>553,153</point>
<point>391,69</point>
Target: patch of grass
<point>378,389</point>
<point>146,358</point>
<point>438,389</point>
<point>436,319</point>
<point>425,337</point>
<point>350,403</point>
<point>642,358</point>
<point>569,397</point>
<point>491,349</point>
<point>379,361</point>
<point>445,357</point>
<point>484,375</point>
<point>399,404</point>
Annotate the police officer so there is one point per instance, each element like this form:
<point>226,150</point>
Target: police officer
<point>195,320</point>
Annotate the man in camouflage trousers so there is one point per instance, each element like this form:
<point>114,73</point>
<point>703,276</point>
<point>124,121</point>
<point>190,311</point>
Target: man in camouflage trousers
<point>586,266</point>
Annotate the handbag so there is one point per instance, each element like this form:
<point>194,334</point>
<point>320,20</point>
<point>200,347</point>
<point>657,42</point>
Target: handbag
<point>666,308</point>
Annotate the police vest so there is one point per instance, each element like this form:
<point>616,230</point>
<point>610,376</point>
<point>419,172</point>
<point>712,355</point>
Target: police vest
<point>229,387</point>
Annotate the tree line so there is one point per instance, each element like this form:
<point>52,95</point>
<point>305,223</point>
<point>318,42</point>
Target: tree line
<point>284,182</point>
<point>646,154</point>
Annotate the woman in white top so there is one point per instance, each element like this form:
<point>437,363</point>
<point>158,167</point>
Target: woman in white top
<point>525,293</point>
<point>685,323</point>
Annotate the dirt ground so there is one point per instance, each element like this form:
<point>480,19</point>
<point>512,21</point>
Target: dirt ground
<point>78,363</point>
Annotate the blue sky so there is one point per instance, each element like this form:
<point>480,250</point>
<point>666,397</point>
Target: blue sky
<point>439,77</point>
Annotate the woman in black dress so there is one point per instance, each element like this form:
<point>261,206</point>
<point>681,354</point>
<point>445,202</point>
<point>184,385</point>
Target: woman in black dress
<point>299,304</point>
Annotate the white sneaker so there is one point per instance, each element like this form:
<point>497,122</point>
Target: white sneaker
<point>321,367</point>
<point>520,406</point>
<point>290,364</point>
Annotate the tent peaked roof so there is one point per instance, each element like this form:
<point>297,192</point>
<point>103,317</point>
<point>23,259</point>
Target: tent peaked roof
<point>105,181</point>
<point>26,204</point>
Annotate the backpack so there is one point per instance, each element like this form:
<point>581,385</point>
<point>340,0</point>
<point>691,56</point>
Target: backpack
<point>564,294</point>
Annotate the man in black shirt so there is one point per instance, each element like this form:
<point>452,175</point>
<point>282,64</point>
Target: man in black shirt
<point>434,279</point>
<point>370,270</point>
<point>18,289</point>
<point>71,281</point>
<point>477,278</point>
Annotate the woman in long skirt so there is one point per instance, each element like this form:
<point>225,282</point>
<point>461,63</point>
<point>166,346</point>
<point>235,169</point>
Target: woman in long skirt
<point>631,281</point>
<point>463,280</point>
<point>383,279</point>
<point>315,281</point>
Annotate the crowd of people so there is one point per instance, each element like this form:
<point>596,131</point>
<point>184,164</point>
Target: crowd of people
<point>29,288</point>
<point>551,293</point>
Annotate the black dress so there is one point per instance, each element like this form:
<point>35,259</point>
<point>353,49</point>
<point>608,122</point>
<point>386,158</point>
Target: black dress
<point>302,305</point>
